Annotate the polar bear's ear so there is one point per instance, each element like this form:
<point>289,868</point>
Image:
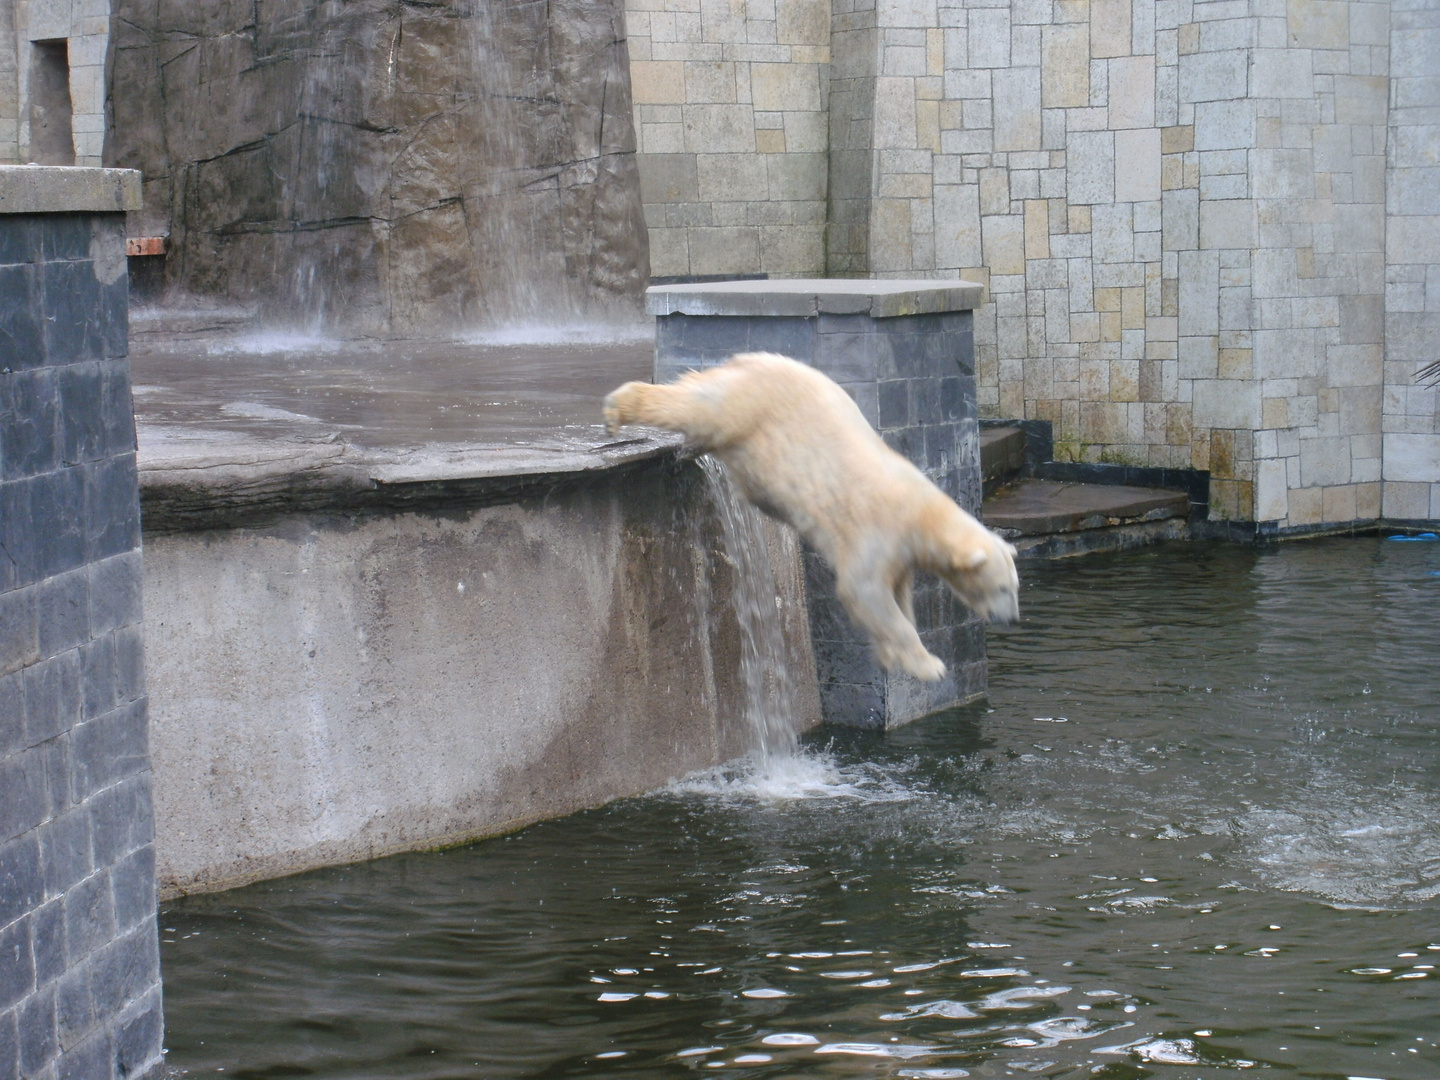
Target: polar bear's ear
<point>974,560</point>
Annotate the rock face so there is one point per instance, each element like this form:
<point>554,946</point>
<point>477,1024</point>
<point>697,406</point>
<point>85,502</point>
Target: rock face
<point>381,167</point>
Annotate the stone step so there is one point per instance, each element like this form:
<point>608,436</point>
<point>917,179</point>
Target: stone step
<point>1002,454</point>
<point>1047,507</point>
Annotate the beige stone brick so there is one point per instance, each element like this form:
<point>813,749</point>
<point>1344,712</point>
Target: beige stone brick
<point>1106,299</point>
<point>1367,501</point>
<point>669,252</point>
<point>1084,326</point>
<point>957,226</point>
<point>1004,243</point>
<point>1037,229</point>
<point>1188,40</point>
<point>890,239</point>
<point>732,177</point>
<point>1065,66</point>
<point>1227,403</point>
<point>1236,364</point>
<point>780,87</point>
<point>792,250</point>
<point>1017,100</point>
<point>1281,73</point>
<point>1072,11</point>
<point>927,125</point>
<point>1318,24</point>
<point>1178,139</point>
<point>730,250</point>
<point>711,83</point>
<point>1137,165</point>
<point>657,82</point>
<point>1078,219</point>
<point>1275,413</point>
<point>1109,28</point>
<point>1111,328</point>
<point>994,193</point>
<point>770,141</point>
<point>1132,308</point>
<point>1306,505</point>
<point>1132,92</point>
<point>1227,223</point>
<point>802,22</point>
<point>719,129</point>
<point>1337,503</point>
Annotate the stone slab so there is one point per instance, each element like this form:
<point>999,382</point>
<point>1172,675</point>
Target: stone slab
<point>808,297</point>
<point>1042,507</point>
<point>61,189</point>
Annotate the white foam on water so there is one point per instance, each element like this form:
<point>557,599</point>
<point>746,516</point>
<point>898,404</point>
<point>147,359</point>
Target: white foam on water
<point>803,775</point>
<point>272,343</point>
<point>561,334</point>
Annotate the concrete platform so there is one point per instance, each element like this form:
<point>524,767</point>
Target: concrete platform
<point>1034,509</point>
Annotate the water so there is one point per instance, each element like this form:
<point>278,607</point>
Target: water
<point>769,691</point>
<point>1195,832</point>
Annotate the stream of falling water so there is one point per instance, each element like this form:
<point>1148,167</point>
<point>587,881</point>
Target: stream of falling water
<point>769,690</point>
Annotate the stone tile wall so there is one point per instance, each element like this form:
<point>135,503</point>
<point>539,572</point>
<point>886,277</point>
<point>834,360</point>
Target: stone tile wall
<point>79,956</point>
<point>1411,413</point>
<point>85,24</point>
<point>730,117</point>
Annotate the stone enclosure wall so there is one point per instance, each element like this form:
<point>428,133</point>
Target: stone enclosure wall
<point>1207,227</point>
<point>84,26</point>
<point>79,956</point>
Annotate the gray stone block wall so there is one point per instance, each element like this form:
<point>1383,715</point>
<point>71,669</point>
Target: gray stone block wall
<point>913,377</point>
<point>79,955</point>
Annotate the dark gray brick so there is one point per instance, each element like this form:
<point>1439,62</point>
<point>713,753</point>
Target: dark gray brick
<point>81,413</point>
<point>12,713</point>
<point>132,883</point>
<point>129,663</point>
<point>23,795</point>
<point>47,928</point>
<point>93,1059</point>
<point>72,296</point>
<point>9,1032</point>
<point>17,965</point>
<point>112,507</point>
<point>117,407</point>
<point>19,544</point>
<point>795,338</point>
<point>38,1040</point>
<point>66,236</point>
<point>97,673</point>
<point>894,403</point>
<point>846,662</point>
<point>58,515</point>
<point>115,591</point>
<point>74,1007</point>
<point>65,850</point>
<point>121,819</point>
<point>63,607</point>
<point>855,706</point>
<point>22,337</point>
<point>125,969</point>
<point>20,885</point>
<point>20,238</point>
<point>110,748</point>
<point>138,1042</point>
<point>30,428</point>
<point>52,697</point>
<point>19,627</point>
<point>89,915</point>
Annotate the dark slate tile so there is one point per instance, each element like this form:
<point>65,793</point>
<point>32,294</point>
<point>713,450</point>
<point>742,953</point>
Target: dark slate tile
<point>12,713</point>
<point>866,396</point>
<point>19,238</point>
<point>19,626</point>
<point>121,819</point>
<point>97,677</point>
<point>74,1008</point>
<point>20,885</point>
<point>117,411</point>
<point>908,442</point>
<point>55,764</point>
<point>846,357</point>
<point>65,851</point>
<point>853,706</point>
<point>52,697</point>
<point>63,606</point>
<point>71,298</point>
<point>112,321</point>
<point>845,324</point>
<point>48,941</point>
<point>65,236</point>
<point>17,963</point>
<point>23,804</point>
<point>31,437</point>
<point>126,968</point>
<point>57,513</point>
<point>953,403</point>
<point>81,416</point>
<point>89,915</point>
<point>846,662</point>
<point>115,592</point>
<point>792,337</point>
<point>137,1043</point>
<point>894,403</point>
<point>132,881</point>
<point>39,1041</point>
<point>925,401</point>
<point>19,548</point>
<point>91,1060</point>
<point>110,748</point>
<point>113,506</point>
<point>22,325</point>
<point>9,1031</point>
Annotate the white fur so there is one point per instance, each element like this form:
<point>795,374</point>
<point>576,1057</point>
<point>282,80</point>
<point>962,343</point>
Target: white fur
<point>801,450</point>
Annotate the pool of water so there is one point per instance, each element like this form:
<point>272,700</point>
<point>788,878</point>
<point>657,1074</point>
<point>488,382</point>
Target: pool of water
<point>1195,830</point>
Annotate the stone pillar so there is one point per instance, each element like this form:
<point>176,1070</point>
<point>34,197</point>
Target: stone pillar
<point>905,351</point>
<point>79,956</point>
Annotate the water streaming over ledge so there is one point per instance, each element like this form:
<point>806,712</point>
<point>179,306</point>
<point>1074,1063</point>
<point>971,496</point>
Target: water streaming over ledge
<point>769,690</point>
<point>1193,834</point>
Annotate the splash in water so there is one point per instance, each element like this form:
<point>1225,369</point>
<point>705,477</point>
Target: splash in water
<point>769,690</point>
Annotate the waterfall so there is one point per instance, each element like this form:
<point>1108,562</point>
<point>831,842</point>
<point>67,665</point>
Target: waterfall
<point>770,707</point>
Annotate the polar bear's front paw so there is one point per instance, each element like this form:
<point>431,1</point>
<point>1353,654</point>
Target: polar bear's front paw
<point>927,667</point>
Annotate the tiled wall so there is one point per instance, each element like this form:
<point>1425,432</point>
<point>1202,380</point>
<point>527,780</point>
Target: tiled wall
<point>1179,208</point>
<point>730,117</point>
<point>86,26</point>
<point>79,955</point>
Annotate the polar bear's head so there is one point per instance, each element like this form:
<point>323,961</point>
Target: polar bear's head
<point>982,572</point>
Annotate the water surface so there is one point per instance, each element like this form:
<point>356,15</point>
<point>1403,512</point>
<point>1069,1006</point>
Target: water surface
<point>1195,831</point>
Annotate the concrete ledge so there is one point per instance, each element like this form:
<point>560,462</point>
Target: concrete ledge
<point>1044,507</point>
<point>1089,541</point>
<point>806,297</point>
<point>56,189</point>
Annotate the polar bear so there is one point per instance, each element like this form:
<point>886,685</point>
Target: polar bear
<point>800,450</point>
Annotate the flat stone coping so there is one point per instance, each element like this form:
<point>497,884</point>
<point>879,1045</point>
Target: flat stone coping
<point>1043,507</point>
<point>808,297</point>
<point>64,189</point>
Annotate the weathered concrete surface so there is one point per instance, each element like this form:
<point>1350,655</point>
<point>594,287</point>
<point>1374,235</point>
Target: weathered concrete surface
<point>45,189</point>
<point>808,297</point>
<point>333,687</point>
<point>381,166</point>
<point>1040,507</point>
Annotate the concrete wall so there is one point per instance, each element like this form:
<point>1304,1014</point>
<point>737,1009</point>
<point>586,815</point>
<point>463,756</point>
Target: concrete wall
<point>1180,212</point>
<point>329,688</point>
<point>79,955</point>
<point>85,26</point>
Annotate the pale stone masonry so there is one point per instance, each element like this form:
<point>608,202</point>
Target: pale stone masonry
<point>84,27</point>
<point>1207,227</point>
